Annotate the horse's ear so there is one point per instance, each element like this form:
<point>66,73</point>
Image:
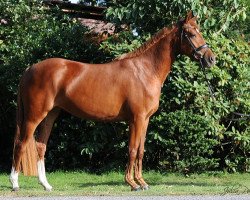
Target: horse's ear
<point>181,21</point>
<point>190,15</point>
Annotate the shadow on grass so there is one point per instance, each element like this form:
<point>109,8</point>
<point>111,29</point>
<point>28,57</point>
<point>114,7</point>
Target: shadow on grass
<point>5,187</point>
<point>94,184</point>
<point>167,184</point>
<point>203,184</point>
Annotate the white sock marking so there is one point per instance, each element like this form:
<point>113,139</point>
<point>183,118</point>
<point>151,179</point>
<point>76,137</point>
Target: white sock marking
<point>42,176</point>
<point>14,178</point>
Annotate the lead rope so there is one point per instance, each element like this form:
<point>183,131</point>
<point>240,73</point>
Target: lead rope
<point>209,85</point>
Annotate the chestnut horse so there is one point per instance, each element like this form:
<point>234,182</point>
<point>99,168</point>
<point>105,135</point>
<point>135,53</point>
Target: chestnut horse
<point>126,89</point>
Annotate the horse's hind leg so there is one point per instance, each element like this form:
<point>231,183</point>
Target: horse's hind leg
<point>43,134</point>
<point>26,129</point>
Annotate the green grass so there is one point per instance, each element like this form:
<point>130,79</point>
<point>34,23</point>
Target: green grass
<point>81,183</point>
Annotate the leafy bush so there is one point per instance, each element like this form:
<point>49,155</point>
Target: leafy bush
<point>182,141</point>
<point>150,15</point>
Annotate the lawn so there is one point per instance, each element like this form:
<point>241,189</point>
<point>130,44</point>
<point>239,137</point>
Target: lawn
<point>82,183</point>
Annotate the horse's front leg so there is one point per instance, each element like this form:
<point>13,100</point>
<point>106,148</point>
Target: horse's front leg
<point>137,127</point>
<point>138,162</point>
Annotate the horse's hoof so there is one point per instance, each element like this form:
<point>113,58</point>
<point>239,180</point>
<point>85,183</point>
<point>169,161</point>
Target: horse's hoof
<point>15,189</point>
<point>48,189</point>
<point>145,187</point>
<point>136,189</point>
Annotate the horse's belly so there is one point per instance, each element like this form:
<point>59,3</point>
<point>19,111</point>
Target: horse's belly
<point>96,108</point>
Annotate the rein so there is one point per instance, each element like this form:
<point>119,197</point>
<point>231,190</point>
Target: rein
<point>241,116</point>
<point>197,50</point>
<point>212,94</point>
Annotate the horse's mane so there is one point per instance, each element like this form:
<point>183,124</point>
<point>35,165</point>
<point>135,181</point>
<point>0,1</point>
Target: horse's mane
<point>148,44</point>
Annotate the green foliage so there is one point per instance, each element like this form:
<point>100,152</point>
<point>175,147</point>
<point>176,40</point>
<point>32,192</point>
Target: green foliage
<point>148,15</point>
<point>182,141</point>
<point>123,43</point>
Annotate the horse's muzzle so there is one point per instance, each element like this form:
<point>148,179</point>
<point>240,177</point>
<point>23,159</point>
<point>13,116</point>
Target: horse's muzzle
<point>208,60</point>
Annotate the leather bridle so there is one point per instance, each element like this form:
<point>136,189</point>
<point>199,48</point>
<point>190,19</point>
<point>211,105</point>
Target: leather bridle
<point>196,50</point>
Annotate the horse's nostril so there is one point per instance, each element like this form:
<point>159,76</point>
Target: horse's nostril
<point>212,59</point>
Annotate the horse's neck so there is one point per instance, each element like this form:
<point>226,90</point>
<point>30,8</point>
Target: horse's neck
<point>164,53</point>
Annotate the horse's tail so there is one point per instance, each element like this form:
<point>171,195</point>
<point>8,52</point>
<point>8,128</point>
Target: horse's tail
<point>19,121</point>
<point>29,158</point>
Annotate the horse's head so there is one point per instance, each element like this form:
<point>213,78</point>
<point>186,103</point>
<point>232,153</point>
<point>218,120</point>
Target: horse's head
<point>192,42</point>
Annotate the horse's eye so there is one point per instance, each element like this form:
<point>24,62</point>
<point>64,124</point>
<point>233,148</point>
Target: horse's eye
<point>192,36</point>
